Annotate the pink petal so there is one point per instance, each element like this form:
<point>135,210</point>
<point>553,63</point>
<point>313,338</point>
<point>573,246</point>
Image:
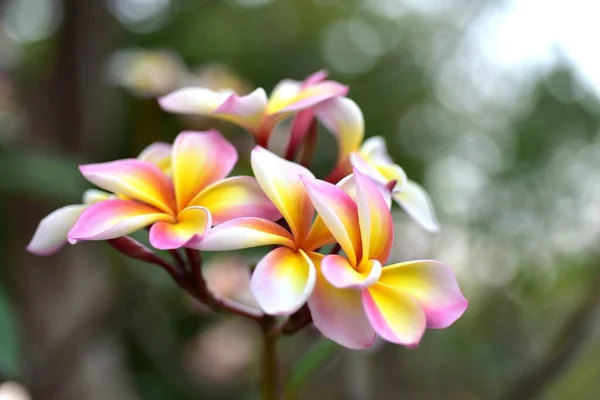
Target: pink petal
<point>199,159</point>
<point>417,203</point>
<point>394,315</point>
<point>340,274</point>
<point>133,178</point>
<point>300,128</point>
<point>243,233</point>
<point>342,117</point>
<point>348,185</point>
<point>433,285</point>
<point>110,219</point>
<point>339,213</point>
<point>190,227</point>
<point>280,180</point>
<point>51,234</point>
<point>315,78</point>
<point>283,280</point>
<point>376,224</point>
<point>339,313</point>
<point>246,111</point>
<point>236,197</point>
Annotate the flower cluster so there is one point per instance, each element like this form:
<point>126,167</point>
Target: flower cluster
<point>329,239</point>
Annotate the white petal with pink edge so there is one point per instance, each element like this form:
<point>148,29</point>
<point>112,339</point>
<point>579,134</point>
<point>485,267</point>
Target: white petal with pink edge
<point>193,100</point>
<point>247,111</point>
<point>51,233</point>
<point>283,280</point>
<point>417,203</point>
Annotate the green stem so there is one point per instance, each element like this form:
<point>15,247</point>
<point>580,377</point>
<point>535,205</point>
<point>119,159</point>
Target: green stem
<point>269,368</point>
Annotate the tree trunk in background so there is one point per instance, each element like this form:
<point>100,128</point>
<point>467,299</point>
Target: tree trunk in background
<point>71,344</point>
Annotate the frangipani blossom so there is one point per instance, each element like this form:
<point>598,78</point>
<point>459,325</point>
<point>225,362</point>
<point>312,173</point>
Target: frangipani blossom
<point>180,207</point>
<point>259,114</point>
<point>51,233</point>
<point>356,298</point>
<point>373,160</point>
<point>284,279</point>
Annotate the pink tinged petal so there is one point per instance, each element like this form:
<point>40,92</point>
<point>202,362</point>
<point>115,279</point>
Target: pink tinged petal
<point>314,78</point>
<point>375,149</point>
<point>382,174</point>
<point>339,213</point>
<point>417,203</point>
<point>191,225</point>
<point>243,233</point>
<point>376,224</point>
<point>134,179</point>
<point>159,154</point>
<point>339,313</point>
<point>433,285</point>
<point>193,100</point>
<point>199,159</point>
<point>291,96</point>
<point>345,120</point>
<point>236,197</point>
<point>110,219</point>
<point>348,185</point>
<point>51,234</point>
<point>312,95</point>
<point>93,196</point>
<point>283,94</point>
<point>283,280</point>
<point>340,274</point>
<point>280,180</point>
<point>300,128</point>
<point>394,315</point>
<point>246,111</point>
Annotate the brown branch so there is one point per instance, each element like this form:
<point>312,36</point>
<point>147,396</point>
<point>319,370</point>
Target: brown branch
<point>567,344</point>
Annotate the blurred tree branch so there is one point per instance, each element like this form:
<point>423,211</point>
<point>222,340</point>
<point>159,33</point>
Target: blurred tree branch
<point>570,339</point>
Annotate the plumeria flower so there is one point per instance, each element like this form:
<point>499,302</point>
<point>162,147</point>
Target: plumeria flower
<point>284,279</point>
<point>180,207</point>
<point>51,233</point>
<point>356,298</point>
<point>259,114</point>
<point>373,160</point>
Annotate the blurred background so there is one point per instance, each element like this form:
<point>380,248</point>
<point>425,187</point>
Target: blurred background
<point>493,105</point>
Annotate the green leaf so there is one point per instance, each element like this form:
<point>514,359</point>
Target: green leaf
<point>312,360</point>
<point>9,338</point>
